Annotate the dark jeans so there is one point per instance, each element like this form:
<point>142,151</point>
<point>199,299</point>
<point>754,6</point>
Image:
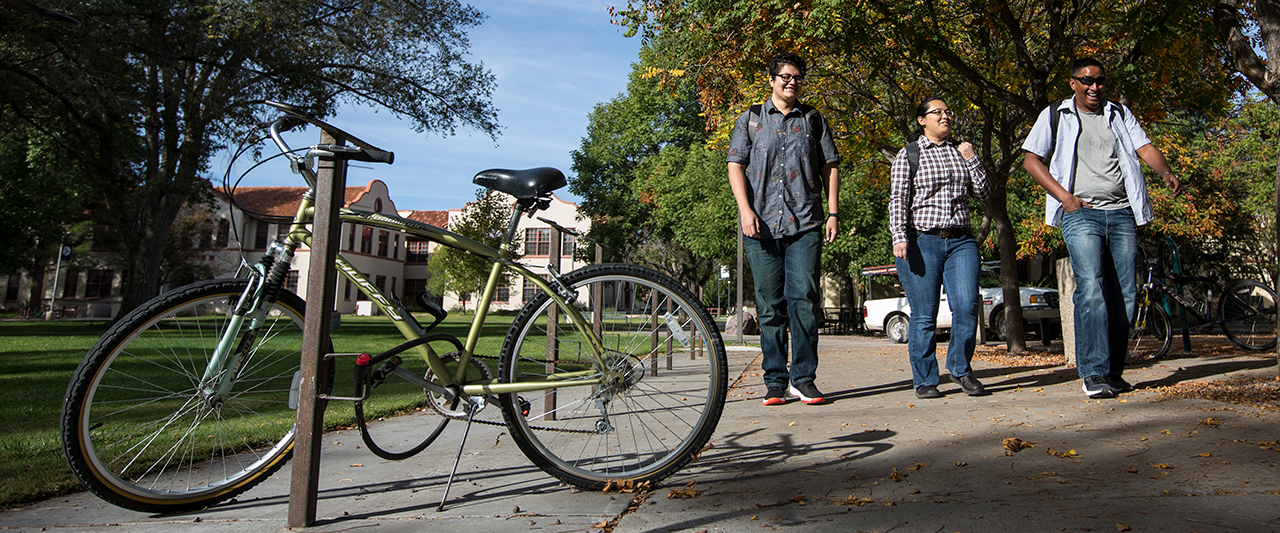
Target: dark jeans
<point>933,262</point>
<point>1102,245</point>
<point>787,297</point>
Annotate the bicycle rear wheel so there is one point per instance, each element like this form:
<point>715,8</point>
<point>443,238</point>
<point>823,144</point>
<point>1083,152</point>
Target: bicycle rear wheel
<point>1151,333</point>
<point>664,379</point>
<point>1248,315</point>
<point>135,428</point>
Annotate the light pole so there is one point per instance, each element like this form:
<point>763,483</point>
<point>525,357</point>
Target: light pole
<point>64,251</point>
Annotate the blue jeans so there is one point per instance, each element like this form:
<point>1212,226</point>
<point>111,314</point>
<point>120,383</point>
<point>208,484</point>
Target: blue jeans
<point>1102,245</point>
<point>932,262</point>
<point>787,297</point>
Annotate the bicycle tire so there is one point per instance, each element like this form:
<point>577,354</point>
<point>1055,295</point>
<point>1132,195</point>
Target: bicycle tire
<point>649,419</point>
<point>1150,334</point>
<point>134,429</point>
<point>1248,315</point>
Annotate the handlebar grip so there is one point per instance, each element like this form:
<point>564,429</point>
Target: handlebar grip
<point>374,155</point>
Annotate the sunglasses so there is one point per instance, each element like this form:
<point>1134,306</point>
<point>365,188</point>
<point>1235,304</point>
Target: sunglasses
<point>1090,80</point>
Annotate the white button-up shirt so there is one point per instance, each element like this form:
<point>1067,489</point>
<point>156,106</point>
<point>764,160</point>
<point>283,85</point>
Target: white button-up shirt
<point>1129,138</point>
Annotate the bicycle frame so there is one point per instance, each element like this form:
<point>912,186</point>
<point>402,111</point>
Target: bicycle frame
<point>1189,306</point>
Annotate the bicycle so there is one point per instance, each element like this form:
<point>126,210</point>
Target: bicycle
<point>189,400</point>
<point>1246,311</point>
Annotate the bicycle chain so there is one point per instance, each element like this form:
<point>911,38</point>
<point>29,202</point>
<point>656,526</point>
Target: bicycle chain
<point>503,423</point>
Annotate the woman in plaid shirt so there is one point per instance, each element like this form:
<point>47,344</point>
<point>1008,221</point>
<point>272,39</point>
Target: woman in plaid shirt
<point>934,246</point>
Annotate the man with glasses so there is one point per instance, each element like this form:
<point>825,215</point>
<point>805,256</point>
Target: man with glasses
<point>781,160</point>
<point>1085,152</point>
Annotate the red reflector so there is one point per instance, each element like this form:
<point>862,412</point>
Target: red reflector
<point>363,359</point>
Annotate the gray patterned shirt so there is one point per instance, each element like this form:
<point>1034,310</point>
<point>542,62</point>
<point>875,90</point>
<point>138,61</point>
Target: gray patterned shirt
<point>782,168</point>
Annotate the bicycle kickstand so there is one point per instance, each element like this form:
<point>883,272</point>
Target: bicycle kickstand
<point>474,405</point>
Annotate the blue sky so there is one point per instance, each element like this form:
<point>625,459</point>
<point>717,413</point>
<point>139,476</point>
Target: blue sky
<point>554,60</point>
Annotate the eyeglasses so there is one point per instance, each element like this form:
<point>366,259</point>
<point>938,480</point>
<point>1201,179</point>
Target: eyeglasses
<point>1090,80</point>
<point>786,78</point>
<point>941,112</point>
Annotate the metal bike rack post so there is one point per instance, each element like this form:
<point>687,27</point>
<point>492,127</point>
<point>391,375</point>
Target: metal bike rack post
<point>1175,263</point>
<point>553,323</point>
<point>321,289</point>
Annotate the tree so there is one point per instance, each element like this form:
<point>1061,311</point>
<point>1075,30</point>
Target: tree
<point>1260,71</point>
<point>999,64</point>
<point>461,273</point>
<point>145,91</point>
<point>618,166</point>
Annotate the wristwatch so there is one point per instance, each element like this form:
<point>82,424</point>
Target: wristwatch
<point>833,215</point>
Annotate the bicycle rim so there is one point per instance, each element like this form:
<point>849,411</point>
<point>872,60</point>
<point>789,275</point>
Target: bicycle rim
<point>144,438</point>
<point>664,389</point>
<point>1150,334</point>
<point>1248,312</point>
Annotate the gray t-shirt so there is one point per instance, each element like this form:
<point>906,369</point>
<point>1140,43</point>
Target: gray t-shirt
<point>1099,181</point>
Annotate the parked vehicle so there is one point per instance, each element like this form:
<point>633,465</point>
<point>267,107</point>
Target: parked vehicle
<point>885,307</point>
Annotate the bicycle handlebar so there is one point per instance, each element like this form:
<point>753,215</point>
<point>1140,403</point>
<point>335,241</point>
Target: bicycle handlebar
<point>362,151</point>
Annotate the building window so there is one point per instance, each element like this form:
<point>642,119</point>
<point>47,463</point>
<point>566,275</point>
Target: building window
<point>567,243</point>
<point>260,239</point>
<point>99,284</point>
<point>395,247</point>
<point>351,238</point>
<point>383,239</point>
<point>206,234</point>
<point>282,232</point>
<point>416,252</point>
<point>71,284</point>
<point>366,240</point>
<point>224,233</point>
<point>360,295</point>
<point>381,283</point>
<point>537,241</point>
<point>530,290</point>
<point>377,205</point>
<point>392,289</point>
<point>411,289</point>
<point>11,292</point>
<point>346,292</point>
<point>503,294</point>
<point>291,281</point>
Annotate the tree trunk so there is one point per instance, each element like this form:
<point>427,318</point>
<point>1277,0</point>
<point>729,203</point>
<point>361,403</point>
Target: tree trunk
<point>998,210</point>
<point>1276,278</point>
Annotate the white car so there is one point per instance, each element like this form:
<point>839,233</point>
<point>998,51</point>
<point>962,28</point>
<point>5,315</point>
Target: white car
<point>886,309</point>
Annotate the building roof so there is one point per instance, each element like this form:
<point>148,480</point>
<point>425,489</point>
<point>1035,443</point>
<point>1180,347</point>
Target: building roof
<point>281,201</point>
<point>439,219</point>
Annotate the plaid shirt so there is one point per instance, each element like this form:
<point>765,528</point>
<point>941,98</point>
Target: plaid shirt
<point>943,181</point>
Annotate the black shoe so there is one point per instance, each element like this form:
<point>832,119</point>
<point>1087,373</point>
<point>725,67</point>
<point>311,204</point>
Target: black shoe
<point>1118,383</point>
<point>807,392</point>
<point>1097,387</point>
<point>928,392</point>
<point>776,396</point>
<point>970,384</point>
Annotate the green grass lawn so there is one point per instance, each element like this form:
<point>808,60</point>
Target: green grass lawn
<point>37,360</point>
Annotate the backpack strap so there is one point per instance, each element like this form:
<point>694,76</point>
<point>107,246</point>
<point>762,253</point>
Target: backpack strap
<point>753,120</point>
<point>1054,116</point>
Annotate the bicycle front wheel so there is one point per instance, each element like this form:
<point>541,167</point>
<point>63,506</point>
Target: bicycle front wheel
<point>1150,334</point>
<point>1248,315</point>
<point>136,428</point>
<point>662,384</point>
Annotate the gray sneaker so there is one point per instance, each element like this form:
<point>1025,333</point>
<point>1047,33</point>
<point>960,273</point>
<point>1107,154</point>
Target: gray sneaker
<point>1097,387</point>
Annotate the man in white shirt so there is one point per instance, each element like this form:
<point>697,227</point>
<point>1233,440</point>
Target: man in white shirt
<point>1097,195</point>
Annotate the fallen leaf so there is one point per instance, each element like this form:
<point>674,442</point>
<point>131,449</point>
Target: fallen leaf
<point>1205,454</point>
<point>1161,465</point>
<point>792,423</point>
<point>356,465</point>
<point>919,466</point>
<point>1211,422</point>
<point>961,463</point>
<point>1015,444</point>
<point>1065,455</point>
<point>896,477</point>
<point>1122,527</point>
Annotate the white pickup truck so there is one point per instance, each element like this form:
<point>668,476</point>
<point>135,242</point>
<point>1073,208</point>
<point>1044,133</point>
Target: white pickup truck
<point>886,309</point>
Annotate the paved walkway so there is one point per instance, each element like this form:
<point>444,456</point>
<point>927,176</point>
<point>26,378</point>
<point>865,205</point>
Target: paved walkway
<point>874,459</point>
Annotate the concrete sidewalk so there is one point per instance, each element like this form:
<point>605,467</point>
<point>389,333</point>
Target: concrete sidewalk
<point>874,458</point>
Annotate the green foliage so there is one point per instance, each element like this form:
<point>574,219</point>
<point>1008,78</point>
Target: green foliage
<point>143,92</point>
<point>459,272</point>
<point>620,171</point>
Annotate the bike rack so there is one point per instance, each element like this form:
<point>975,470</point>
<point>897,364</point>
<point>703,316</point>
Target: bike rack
<point>1175,263</point>
<point>331,181</point>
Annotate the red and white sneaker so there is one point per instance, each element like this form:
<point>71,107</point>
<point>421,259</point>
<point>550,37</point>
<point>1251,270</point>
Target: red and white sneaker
<point>807,392</point>
<point>776,396</point>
